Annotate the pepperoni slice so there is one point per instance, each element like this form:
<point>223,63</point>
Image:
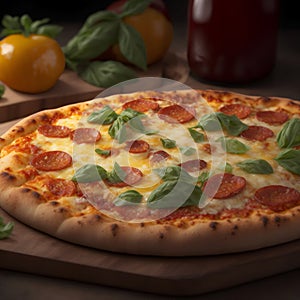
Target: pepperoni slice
<point>257,133</point>
<point>194,165</point>
<point>133,175</point>
<point>277,197</point>
<point>223,186</point>
<point>142,105</point>
<point>159,156</point>
<point>240,110</point>
<point>61,187</point>
<point>52,161</point>
<point>176,113</point>
<point>272,117</point>
<point>138,146</point>
<point>54,131</point>
<point>85,135</point>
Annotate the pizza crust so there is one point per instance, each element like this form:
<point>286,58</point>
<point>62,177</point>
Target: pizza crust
<point>184,238</point>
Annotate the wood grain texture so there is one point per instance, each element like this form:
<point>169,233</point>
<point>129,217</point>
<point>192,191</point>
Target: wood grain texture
<point>29,250</point>
<point>68,89</point>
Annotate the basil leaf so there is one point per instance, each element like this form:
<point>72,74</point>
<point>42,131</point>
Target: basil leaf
<point>117,174</point>
<point>118,129</point>
<point>103,152</point>
<point>233,146</point>
<point>93,41</point>
<point>129,114</point>
<point>49,30</point>
<point>209,122</point>
<point>104,116</point>
<point>255,166</point>
<point>134,7</point>
<point>290,160</point>
<point>130,197</point>
<point>5,229</point>
<point>174,173</point>
<point>194,198</point>
<point>198,137</point>
<point>168,143</point>
<point>161,192</point>
<point>132,46</point>
<point>289,135</point>
<point>232,124</point>
<point>171,194</point>
<point>106,74</point>
<point>2,90</point>
<point>97,17</point>
<point>187,151</point>
<point>89,173</point>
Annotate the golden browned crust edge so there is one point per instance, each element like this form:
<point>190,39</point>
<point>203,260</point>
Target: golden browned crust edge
<point>98,231</point>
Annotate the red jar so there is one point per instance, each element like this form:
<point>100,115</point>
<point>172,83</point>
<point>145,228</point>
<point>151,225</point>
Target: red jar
<point>232,41</point>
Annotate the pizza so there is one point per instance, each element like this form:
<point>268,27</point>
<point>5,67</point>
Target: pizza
<point>174,173</point>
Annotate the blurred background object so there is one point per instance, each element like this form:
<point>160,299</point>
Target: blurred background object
<point>289,10</point>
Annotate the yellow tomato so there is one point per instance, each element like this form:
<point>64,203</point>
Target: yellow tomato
<point>156,31</point>
<point>30,64</point>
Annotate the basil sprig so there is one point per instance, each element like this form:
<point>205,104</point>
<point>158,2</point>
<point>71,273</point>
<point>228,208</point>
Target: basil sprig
<point>5,229</point>
<point>290,160</point>
<point>130,197</point>
<point>216,121</point>
<point>90,173</point>
<point>289,135</point>
<point>117,174</point>
<point>105,73</point>
<point>104,116</point>
<point>101,31</point>
<point>25,25</point>
<point>177,185</point>
<point>256,166</point>
<point>233,146</point>
<point>130,117</point>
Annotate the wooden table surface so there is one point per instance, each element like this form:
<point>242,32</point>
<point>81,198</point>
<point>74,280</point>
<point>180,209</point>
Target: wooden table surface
<point>283,81</point>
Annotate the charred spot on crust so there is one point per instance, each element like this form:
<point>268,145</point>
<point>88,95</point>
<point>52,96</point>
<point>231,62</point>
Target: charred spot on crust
<point>63,210</point>
<point>36,195</point>
<point>142,224</point>
<point>97,217</point>
<point>114,229</point>
<point>7,175</point>
<point>2,140</point>
<point>264,99</point>
<point>161,235</point>
<point>277,220</point>
<point>25,190</point>
<point>265,220</point>
<point>54,203</point>
<point>234,229</point>
<point>213,225</point>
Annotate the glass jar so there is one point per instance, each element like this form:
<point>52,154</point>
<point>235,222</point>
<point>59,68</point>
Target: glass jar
<point>232,41</point>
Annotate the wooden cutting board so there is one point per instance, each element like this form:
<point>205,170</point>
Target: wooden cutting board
<point>29,250</point>
<point>68,89</point>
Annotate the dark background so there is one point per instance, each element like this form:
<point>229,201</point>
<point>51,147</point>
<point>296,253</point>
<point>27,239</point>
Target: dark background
<point>65,11</point>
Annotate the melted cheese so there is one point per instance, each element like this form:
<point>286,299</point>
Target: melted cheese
<point>85,153</point>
